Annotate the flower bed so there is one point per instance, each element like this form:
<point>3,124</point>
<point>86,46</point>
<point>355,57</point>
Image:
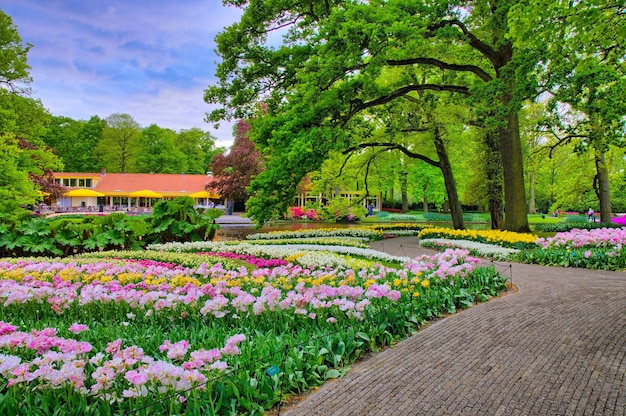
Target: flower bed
<point>502,238</point>
<point>592,249</point>
<point>365,232</point>
<point>104,336</point>
<point>474,247</point>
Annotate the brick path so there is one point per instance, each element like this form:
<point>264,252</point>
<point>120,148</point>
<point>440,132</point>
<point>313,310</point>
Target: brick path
<point>556,347</point>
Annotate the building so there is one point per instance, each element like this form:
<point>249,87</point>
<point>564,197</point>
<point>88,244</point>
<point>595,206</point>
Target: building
<point>137,192</point>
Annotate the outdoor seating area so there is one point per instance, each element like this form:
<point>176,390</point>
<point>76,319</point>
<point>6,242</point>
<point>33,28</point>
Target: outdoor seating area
<point>44,209</point>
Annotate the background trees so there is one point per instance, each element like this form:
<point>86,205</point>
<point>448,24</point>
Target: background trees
<point>119,145</point>
<point>581,49</point>
<point>88,146</point>
<point>157,151</point>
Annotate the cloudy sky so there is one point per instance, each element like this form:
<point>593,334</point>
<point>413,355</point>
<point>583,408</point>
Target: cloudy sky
<point>151,59</point>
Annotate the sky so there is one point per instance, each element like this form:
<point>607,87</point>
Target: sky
<point>151,59</point>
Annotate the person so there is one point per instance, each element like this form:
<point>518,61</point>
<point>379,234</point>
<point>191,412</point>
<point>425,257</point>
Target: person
<point>370,209</point>
<point>229,207</point>
<point>591,214</point>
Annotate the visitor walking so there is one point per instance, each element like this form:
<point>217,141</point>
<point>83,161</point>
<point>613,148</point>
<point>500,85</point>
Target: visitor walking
<point>591,215</point>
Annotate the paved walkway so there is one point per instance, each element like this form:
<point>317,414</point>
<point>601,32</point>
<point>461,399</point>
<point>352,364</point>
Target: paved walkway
<point>556,347</point>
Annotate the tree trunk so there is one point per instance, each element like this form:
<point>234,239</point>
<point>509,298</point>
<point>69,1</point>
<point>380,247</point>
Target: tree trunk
<point>532,207</point>
<point>446,169</point>
<point>424,204</point>
<point>404,179</point>
<point>603,191</point>
<point>493,172</point>
<point>515,218</point>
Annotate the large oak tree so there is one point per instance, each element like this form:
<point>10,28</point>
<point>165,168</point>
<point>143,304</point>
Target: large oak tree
<point>322,79</point>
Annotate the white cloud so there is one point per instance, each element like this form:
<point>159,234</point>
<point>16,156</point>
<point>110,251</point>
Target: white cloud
<point>151,59</point>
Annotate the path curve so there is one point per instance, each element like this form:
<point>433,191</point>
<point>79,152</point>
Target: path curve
<point>556,347</point>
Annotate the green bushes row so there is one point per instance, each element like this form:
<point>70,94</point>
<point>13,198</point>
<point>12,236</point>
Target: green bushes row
<point>576,222</point>
<point>175,220</point>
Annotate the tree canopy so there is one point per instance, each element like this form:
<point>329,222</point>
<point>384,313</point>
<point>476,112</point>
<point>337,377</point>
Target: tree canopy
<point>233,171</point>
<point>25,160</point>
<point>324,79</point>
<point>14,69</point>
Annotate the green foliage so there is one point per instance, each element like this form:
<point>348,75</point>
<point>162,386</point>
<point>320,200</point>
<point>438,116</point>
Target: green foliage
<point>174,221</point>
<point>343,210</point>
<point>342,71</point>
<point>119,145</point>
<point>75,141</point>
<point>598,258</point>
<point>198,147</point>
<point>581,224</point>
<point>178,220</point>
<point>14,68</point>
<point>157,152</point>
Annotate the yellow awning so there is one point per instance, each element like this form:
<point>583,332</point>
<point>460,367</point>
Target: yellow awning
<point>83,192</point>
<point>145,193</point>
<point>204,194</point>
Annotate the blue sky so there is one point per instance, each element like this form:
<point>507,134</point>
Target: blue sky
<point>151,59</point>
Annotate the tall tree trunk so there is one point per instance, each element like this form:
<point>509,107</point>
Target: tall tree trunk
<point>603,191</point>
<point>515,218</point>
<point>493,171</point>
<point>404,180</point>
<point>532,207</point>
<point>446,169</point>
<point>424,204</point>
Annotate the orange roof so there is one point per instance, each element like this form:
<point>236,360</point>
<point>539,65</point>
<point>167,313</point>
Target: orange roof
<point>122,184</point>
<point>163,183</point>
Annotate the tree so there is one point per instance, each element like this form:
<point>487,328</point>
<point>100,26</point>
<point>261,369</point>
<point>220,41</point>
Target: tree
<point>430,124</point>
<point>324,77</point>
<point>582,66</point>
<point>24,158</point>
<point>157,151</point>
<point>233,172</point>
<point>120,143</point>
<point>427,185</point>
<point>14,69</point>
<point>83,157</point>
<point>75,141</point>
<point>198,147</point>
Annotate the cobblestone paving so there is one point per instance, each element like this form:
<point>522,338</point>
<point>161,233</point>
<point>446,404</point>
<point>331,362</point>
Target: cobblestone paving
<point>556,347</point>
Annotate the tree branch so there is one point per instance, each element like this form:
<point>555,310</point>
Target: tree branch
<point>486,50</point>
<point>443,65</point>
<point>393,146</point>
<point>357,105</point>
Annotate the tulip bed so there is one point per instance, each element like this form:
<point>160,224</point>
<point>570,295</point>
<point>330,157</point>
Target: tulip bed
<point>502,238</point>
<point>592,249</point>
<point>210,329</point>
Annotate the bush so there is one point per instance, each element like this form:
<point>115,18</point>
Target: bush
<point>570,225</point>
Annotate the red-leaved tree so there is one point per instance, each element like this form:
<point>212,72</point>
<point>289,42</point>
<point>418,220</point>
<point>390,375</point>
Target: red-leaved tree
<point>233,171</point>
